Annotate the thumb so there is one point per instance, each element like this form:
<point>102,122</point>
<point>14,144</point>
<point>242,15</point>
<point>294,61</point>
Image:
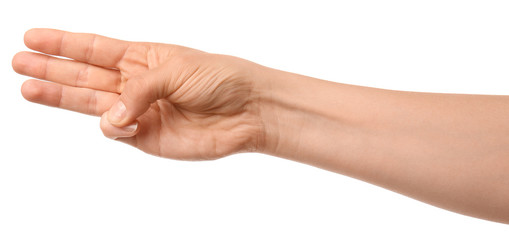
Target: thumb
<point>137,95</point>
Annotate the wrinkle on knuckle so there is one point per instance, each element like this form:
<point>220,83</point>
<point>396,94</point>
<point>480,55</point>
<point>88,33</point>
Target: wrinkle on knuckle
<point>83,77</point>
<point>91,103</point>
<point>89,52</point>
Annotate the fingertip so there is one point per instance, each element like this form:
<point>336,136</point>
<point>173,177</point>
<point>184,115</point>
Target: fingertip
<point>131,128</point>
<point>43,40</point>
<point>31,91</point>
<point>113,132</point>
<point>30,37</point>
<point>20,62</point>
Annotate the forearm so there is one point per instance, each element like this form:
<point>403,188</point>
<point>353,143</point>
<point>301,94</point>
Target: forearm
<point>450,150</point>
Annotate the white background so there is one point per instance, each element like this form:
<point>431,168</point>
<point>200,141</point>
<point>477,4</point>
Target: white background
<point>61,179</point>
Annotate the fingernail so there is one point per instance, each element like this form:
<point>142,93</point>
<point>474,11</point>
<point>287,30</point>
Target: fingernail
<point>117,112</point>
<point>131,127</point>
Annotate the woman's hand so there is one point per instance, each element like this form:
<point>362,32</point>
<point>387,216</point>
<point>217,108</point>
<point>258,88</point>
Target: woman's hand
<point>166,100</point>
<point>450,150</point>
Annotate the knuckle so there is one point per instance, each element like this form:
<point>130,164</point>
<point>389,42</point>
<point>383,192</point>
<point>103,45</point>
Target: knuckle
<point>83,76</point>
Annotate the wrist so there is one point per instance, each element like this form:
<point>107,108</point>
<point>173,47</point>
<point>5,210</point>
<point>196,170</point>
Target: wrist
<point>312,121</point>
<point>282,111</point>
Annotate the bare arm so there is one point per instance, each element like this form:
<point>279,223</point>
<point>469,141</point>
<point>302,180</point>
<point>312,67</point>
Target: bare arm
<point>449,150</point>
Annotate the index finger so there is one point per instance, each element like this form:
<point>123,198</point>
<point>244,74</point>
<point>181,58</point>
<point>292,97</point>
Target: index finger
<point>84,47</point>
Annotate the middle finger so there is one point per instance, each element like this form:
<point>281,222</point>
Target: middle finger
<point>67,72</point>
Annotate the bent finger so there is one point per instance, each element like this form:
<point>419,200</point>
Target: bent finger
<point>113,132</point>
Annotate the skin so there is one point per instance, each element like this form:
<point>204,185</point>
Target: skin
<point>449,150</point>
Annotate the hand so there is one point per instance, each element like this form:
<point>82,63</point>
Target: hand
<point>166,100</point>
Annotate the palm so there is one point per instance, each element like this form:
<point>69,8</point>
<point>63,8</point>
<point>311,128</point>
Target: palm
<point>197,121</point>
